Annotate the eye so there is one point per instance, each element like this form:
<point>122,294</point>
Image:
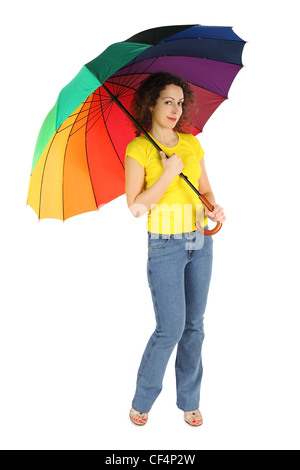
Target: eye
<point>167,102</point>
<point>180,103</point>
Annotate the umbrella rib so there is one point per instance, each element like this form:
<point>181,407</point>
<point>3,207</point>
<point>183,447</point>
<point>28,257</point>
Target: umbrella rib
<point>96,111</point>
<point>99,115</point>
<point>77,120</point>
<point>194,84</point>
<point>127,91</point>
<point>96,108</point>
<point>121,85</point>
<point>43,174</point>
<point>42,178</point>
<point>108,133</point>
<point>118,87</point>
<point>46,160</point>
<point>86,110</point>
<point>87,162</point>
<point>64,160</point>
<point>63,174</point>
<point>138,74</point>
<point>128,77</point>
<point>206,40</point>
<point>70,135</point>
<point>96,114</point>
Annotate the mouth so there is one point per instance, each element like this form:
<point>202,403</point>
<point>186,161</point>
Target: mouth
<point>172,119</point>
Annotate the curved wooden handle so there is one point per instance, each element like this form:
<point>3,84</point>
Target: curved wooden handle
<point>199,226</point>
<point>208,232</point>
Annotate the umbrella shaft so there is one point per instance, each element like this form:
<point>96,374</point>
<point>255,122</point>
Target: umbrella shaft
<point>115,99</point>
<point>118,102</point>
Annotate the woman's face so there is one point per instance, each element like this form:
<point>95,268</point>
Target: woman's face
<point>168,109</point>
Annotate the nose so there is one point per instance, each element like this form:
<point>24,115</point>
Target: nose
<point>176,108</point>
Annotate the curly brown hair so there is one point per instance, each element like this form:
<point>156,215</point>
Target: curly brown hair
<point>148,94</point>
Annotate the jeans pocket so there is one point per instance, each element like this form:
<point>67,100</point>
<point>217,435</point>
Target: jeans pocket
<point>157,243</point>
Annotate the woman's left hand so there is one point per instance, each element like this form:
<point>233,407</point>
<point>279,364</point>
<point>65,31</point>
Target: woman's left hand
<point>217,215</point>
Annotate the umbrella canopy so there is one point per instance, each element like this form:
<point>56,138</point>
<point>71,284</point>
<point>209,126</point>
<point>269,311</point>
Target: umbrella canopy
<point>78,163</point>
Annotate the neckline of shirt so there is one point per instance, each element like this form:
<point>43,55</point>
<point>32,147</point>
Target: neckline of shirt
<point>164,146</point>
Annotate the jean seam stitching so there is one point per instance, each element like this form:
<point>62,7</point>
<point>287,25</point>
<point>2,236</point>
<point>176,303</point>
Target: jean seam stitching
<point>146,359</point>
<point>155,301</point>
<point>158,324</point>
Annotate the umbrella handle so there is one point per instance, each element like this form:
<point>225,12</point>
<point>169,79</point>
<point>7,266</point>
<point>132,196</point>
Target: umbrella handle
<point>199,226</point>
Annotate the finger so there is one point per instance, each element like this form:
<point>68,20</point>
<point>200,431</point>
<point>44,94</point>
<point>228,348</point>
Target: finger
<point>221,219</point>
<point>212,213</point>
<point>208,212</point>
<point>162,154</point>
<point>215,217</point>
<point>219,212</point>
<point>218,215</point>
<point>211,216</point>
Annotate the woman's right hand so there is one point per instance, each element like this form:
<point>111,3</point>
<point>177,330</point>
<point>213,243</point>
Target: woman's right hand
<point>173,165</point>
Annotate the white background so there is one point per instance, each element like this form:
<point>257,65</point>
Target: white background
<point>76,310</point>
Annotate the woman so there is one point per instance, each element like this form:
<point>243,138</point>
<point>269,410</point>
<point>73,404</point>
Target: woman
<point>179,257</point>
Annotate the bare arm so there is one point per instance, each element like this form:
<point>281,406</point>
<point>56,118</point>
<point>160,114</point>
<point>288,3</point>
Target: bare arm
<point>217,215</point>
<point>139,201</point>
<point>204,184</point>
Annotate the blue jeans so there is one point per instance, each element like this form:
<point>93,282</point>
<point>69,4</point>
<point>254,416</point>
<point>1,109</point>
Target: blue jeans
<point>179,272</point>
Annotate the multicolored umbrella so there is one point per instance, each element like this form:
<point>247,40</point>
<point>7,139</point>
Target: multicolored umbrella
<point>78,163</point>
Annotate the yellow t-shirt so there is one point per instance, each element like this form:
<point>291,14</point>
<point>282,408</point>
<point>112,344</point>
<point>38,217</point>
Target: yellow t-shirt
<point>180,207</point>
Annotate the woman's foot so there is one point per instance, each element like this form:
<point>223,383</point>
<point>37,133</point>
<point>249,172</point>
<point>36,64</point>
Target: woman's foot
<point>138,418</point>
<point>193,418</point>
